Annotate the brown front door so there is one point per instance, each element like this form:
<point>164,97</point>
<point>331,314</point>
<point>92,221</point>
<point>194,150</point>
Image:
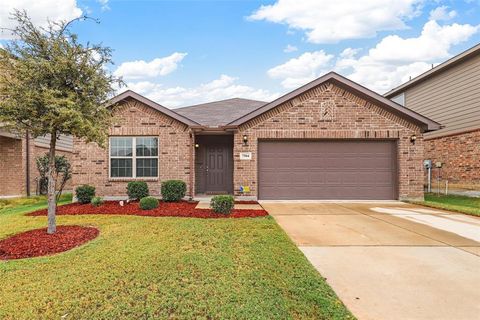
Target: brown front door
<point>217,169</point>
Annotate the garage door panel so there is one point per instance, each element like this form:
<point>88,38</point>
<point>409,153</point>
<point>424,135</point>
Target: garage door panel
<point>304,163</point>
<point>270,181</point>
<point>332,178</point>
<point>380,161</point>
<point>327,170</point>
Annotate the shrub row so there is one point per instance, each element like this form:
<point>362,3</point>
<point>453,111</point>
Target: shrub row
<point>172,191</point>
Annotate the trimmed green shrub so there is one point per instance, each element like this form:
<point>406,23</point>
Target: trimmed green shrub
<point>85,193</point>
<point>137,190</point>
<point>148,203</point>
<point>173,190</point>
<point>96,201</point>
<point>222,204</point>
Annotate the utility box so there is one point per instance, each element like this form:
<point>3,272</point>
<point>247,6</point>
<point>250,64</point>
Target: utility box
<point>427,164</point>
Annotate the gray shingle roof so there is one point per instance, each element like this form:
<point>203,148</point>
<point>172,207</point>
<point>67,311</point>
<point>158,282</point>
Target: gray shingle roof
<point>219,113</point>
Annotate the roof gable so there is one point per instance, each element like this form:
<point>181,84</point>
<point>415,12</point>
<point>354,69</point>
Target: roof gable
<point>131,94</point>
<point>360,91</point>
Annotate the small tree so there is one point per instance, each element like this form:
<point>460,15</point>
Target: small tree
<point>50,84</point>
<point>63,173</point>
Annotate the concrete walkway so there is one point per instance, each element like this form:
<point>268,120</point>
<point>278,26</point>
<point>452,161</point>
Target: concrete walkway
<point>390,260</point>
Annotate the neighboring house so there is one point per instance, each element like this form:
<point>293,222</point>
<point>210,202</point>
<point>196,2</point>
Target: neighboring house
<point>18,168</point>
<point>450,95</point>
<point>329,139</point>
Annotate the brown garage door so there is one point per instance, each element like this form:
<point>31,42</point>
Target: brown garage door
<point>327,170</point>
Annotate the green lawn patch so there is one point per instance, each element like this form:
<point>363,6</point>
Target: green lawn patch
<point>159,268</point>
<point>27,204</point>
<point>462,204</point>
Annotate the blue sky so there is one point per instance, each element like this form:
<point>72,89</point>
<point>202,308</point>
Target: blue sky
<point>186,52</point>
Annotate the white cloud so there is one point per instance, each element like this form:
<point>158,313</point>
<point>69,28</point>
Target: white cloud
<point>394,59</point>
<point>326,21</point>
<point>104,5</point>
<point>349,53</point>
<point>289,48</point>
<point>433,43</point>
<point>38,10</point>
<point>222,88</point>
<point>141,69</point>
<point>391,62</point>
<point>442,13</point>
<point>298,71</point>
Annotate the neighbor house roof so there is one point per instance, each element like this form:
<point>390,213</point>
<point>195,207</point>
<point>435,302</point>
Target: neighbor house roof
<point>152,104</point>
<point>472,52</point>
<point>355,88</point>
<point>219,113</point>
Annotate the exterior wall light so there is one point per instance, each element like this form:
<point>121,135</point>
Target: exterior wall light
<point>245,139</point>
<point>197,145</point>
<point>413,139</point>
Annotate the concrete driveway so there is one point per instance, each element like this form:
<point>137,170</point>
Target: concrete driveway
<point>390,260</point>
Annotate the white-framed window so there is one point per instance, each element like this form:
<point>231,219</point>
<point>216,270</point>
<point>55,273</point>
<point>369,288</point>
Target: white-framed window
<point>133,157</point>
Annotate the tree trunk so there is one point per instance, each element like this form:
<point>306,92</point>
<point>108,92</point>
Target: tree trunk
<point>52,203</point>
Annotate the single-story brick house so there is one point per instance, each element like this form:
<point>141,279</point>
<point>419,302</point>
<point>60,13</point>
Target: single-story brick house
<point>18,169</point>
<point>329,139</point>
<point>449,94</point>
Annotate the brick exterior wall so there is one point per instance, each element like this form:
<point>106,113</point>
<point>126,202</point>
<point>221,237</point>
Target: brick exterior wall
<point>12,167</point>
<point>460,155</point>
<point>91,162</point>
<point>354,118</point>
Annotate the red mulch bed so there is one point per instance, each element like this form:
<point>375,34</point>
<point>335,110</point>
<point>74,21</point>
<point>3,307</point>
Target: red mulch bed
<point>165,209</point>
<point>37,243</point>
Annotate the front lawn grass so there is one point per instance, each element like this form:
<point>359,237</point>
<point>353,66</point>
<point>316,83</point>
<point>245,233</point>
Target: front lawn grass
<point>33,203</point>
<point>158,268</point>
<point>463,204</point>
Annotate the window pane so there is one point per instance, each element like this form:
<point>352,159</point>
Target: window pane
<point>147,147</point>
<point>121,147</point>
<point>147,167</point>
<point>121,168</point>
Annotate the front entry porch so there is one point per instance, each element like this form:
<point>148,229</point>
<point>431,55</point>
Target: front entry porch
<point>213,164</point>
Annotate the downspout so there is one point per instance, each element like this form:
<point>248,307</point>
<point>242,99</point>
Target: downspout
<point>27,164</point>
<point>192,164</point>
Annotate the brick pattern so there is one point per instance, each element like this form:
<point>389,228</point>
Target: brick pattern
<point>11,167</point>
<point>354,118</point>
<point>460,155</point>
<point>91,163</point>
